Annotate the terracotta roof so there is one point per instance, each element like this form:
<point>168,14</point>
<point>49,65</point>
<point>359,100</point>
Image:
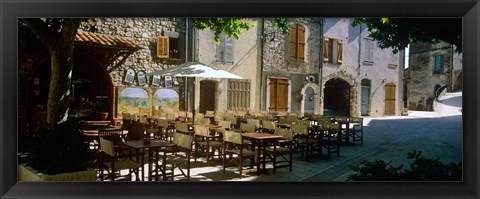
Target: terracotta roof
<point>94,39</point>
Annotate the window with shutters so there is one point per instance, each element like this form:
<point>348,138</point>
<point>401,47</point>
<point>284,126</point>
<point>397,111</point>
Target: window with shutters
<point>168,47</point>
<point>238,94</point>
<point>368,51</point>
<point>437,64</point>
<point>297,41</point>
<point>225,50</point>
<point>333,51</point>
<point>278,94</point>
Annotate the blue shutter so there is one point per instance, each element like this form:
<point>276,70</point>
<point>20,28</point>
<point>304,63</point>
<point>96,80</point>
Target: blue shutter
<point>437,64</point>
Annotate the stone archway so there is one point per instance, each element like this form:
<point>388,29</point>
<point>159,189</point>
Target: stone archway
<point>337,97</point>
<point>310,99</point>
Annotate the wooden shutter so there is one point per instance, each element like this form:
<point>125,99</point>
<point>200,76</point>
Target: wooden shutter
<point>300,42</point>
<point>221,49</point>
<point>228,55</point>
<point>293,41</point>
<point>278,94</point>
<point>390,99</point>
<point>325,49</point>
<point>339,51</point>
<point>273,94</point>
<point>162,47</point>
<point>282,95</point>
<point>437,67</point>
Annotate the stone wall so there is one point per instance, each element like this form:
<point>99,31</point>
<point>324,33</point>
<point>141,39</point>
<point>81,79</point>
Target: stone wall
<point>277,61</point>
<point>423,82</point>
<point>145,32</point>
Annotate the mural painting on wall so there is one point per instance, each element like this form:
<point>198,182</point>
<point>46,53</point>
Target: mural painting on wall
<point>167,100</point>
<point>132,100</point>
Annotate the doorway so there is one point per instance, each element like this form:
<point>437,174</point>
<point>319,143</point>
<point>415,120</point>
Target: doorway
<point>390,99</point>
<point>337,98</point>
<point>207,96</point>
<point>365,97</point>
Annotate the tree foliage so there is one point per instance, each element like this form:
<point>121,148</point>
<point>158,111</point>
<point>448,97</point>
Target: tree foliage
<point>232,27</point>
<point>421,169</point>
<point>397,33</point>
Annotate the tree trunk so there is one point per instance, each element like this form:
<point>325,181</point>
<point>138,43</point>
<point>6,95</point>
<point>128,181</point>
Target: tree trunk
<point>59,40</point>
<point>60,81</point>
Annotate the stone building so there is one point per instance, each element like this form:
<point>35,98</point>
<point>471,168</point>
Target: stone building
<point>326,66</point>
<point>433,69</point>
<point>358,77</point>
<point>238,56</point>
<point>322,66</point>
<point>111,59</point>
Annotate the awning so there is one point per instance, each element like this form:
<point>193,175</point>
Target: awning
<point>111,50</point>
<point>108,41</point>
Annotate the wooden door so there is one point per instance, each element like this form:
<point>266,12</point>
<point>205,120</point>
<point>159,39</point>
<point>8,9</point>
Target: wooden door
<point>365,100</point>
<point>390,99</point>
<point>278,94</point>
<point>207,96</point>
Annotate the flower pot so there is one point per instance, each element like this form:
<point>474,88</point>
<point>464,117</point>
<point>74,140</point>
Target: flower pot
<point>102,115</point>
<point>26,173</point>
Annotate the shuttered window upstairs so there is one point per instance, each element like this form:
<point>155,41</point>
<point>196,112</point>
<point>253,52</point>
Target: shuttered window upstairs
<point>297,41</point>
<point>224,50</point>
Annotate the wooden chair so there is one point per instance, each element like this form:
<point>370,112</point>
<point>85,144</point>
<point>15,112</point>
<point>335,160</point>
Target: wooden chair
<point>182,127</point>
<point>331,138</point>
<point>223,126</point>
<point>136,131</point>
<point>205,141</point>
<point>268,126</point>
<point>283,148</point>
<point>237,150</point>
<point>256,122</point>
<point>111,161</point>
<point>244,127</point>
<point>356,132</point>
<point>180,155</point>
<point>166,131</point>
<point>306,142</point>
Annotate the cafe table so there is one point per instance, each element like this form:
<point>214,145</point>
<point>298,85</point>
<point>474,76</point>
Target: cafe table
<point>260,142</point>
<point>91,135</point>
<point>154,147</point>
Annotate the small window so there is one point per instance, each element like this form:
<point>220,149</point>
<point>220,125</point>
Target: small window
<point>168,47</point>
<point>333,51</point>
<point>438,64</point>
<point>225,50</point>
<point>368,51</point>
<point>297,41</point>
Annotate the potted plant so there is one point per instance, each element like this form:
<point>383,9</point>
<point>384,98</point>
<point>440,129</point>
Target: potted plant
<point>59,153</point>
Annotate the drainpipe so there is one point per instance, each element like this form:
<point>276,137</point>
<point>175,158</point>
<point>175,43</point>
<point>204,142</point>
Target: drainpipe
<point>320,74</point>
<point>262,92</point>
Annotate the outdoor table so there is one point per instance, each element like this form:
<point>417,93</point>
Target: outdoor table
<point>260,141</point>
<point>152,146</point>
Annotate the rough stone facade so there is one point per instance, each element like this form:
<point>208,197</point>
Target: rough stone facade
<point>277,62</point>
<point>423,82</point>
<point>145,32</point>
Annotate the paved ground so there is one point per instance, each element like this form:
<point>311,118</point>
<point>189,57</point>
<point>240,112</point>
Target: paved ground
<point>436,134</point>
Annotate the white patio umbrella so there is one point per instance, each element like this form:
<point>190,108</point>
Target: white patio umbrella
<point>195,69</point>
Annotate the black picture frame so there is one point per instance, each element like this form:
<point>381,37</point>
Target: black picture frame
<point>469,10</point>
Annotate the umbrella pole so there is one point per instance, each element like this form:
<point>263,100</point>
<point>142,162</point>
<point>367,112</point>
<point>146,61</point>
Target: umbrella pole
<point>193,105</point>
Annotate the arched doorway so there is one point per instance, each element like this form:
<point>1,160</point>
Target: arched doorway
<point>337,98</point>
<point>365,97</point>
<point>207,96</point>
